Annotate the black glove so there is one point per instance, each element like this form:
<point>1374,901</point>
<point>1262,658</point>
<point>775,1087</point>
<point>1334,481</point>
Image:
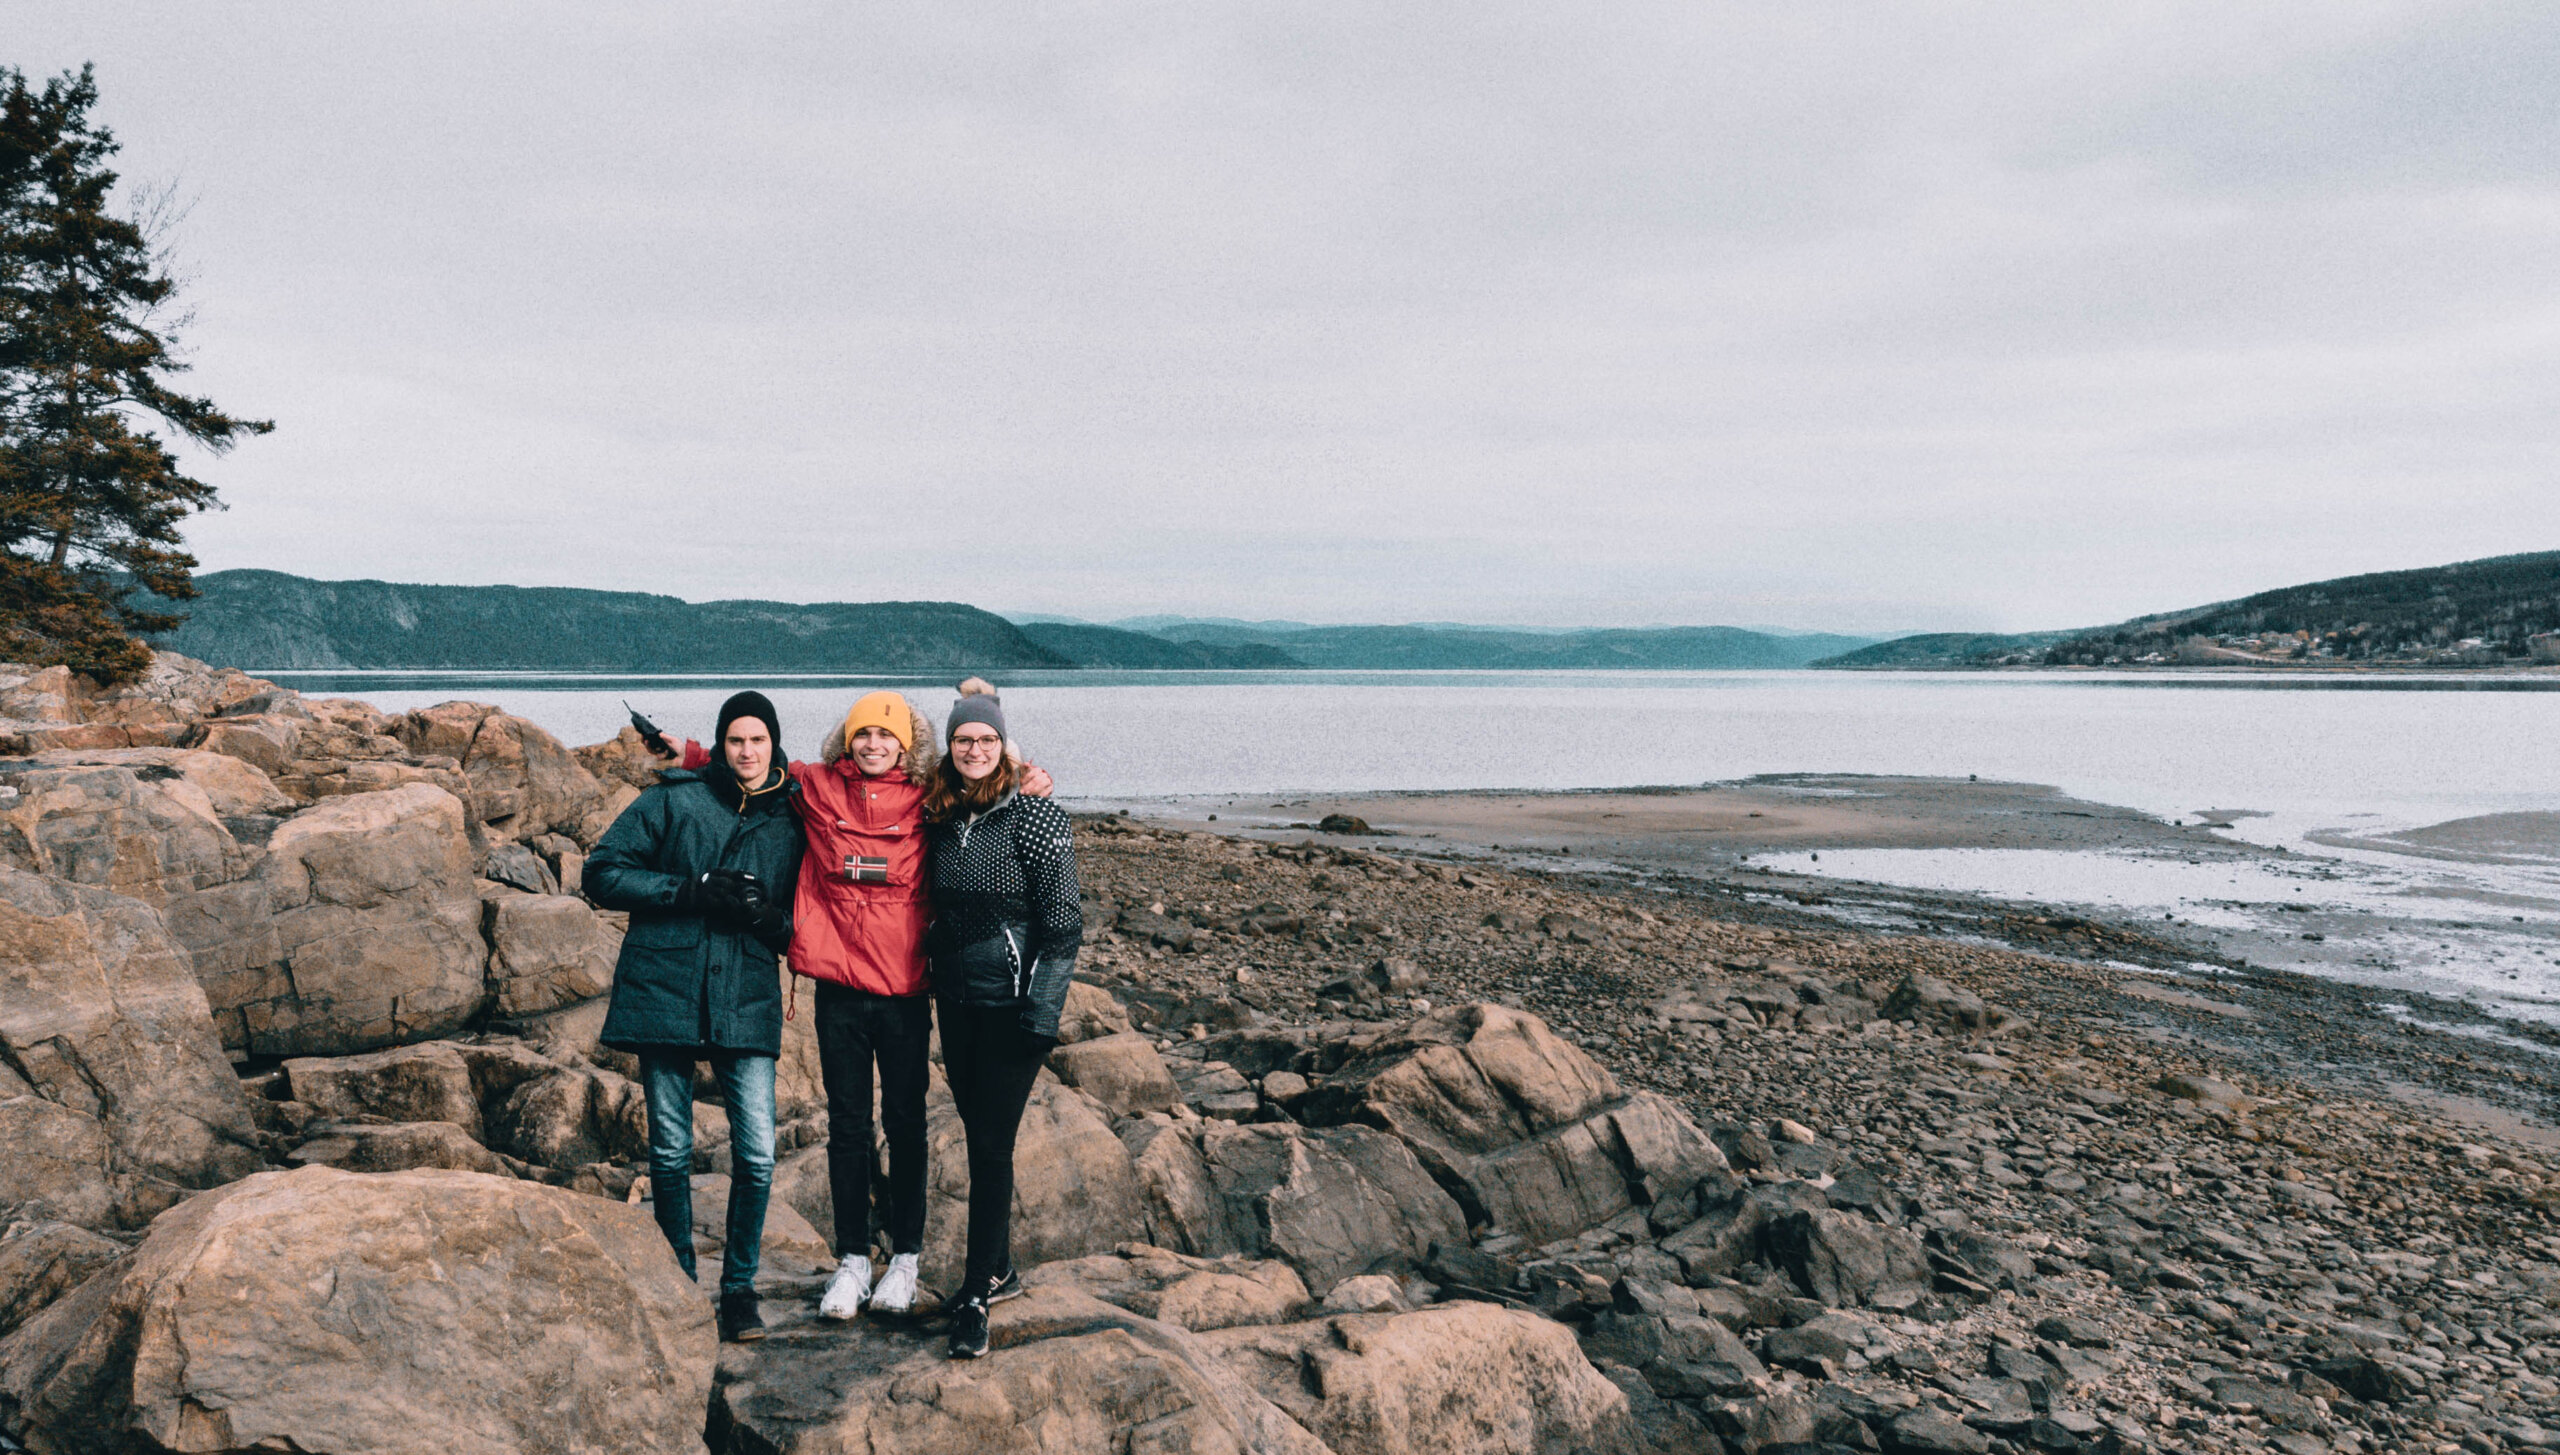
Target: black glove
<point>688,898</point>
<point>723,899</point>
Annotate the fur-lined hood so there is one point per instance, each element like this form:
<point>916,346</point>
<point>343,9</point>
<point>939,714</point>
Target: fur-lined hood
<point>920,758</point>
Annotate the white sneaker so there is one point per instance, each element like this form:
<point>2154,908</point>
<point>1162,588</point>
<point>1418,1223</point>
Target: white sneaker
<point>897,1286</point>
<point>847,1290</point>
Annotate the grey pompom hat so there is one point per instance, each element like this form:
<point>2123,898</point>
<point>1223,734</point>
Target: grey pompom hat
<point>978,704</point>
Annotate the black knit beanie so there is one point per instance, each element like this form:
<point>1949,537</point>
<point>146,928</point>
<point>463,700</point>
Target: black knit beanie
<point>747,704</point>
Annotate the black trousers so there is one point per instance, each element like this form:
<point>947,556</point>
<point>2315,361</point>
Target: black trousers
<point>992,1062</point>
<point>856,1031</point>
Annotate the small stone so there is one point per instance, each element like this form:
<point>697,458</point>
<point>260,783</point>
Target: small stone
<point>1367,1294</point>
<point>2078,1332</point>
<point>1931,1432</point>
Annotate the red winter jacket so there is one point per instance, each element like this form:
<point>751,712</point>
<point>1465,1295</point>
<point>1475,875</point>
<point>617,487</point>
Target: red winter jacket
<point>859,915</point>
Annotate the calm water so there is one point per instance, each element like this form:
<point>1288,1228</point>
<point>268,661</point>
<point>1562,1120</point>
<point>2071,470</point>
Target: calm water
<point>2170,745</point>
<point>2363,755</point>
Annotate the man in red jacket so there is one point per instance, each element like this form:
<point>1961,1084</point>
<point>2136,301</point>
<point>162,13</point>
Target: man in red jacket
<point>860,935</point>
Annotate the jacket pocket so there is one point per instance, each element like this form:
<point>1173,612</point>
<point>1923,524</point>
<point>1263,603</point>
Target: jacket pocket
<point>854,855</point>
<point>989,972</point>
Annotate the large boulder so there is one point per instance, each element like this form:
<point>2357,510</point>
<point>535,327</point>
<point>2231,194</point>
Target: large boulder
<point>1525,1131</point>
<point>523,781</point>
<point>1089,1013</point>
<point>115,1097</point>
<point>1184,1211</point>
<point>364,1147</point>
<point>1455,1379</point>
<point>268,742</point>
<point>57,708</point>
<point>1682,1356</point>
<point>41,1261</point>
<point>151,832</point>
<point>30,695</point>
<point>311,780</point>
<point>1065,1372</point>
<point>59,1159</point>
<point>547,951</point>
<point>428,1083</point>
<point>572,1116</point>
<point>232,788</point>
<point>180,689</point>
<point>1728,1235</point>
<point>323,1310</point>
<point>1198,1294</point>
<point>1121,1071</point>
<point>1841,1258</point>
<point>1074,1190</point>
<point>1927,999</point>
<point>1334,1202</point>
<point>377,928</point>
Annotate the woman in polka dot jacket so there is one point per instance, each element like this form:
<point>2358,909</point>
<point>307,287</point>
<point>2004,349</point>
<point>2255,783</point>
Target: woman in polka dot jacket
<point>1006,927</point>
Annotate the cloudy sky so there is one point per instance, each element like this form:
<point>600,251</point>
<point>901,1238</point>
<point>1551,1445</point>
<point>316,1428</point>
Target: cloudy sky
<point>1835,316</point>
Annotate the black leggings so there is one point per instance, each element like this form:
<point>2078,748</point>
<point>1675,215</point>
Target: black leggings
<point>992,1062</point>
<point>856,1029</point>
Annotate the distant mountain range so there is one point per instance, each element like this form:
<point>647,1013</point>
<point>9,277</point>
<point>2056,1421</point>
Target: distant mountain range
<point>274,621</point>
<point>2471,613</point>
<point>1448,647</point>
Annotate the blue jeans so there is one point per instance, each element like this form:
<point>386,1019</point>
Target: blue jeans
<point>746,1084</point>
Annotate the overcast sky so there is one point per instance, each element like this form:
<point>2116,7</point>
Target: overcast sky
<point>1836,316</point>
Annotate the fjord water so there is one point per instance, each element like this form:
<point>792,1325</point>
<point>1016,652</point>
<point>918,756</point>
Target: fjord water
<point>2325,759</point>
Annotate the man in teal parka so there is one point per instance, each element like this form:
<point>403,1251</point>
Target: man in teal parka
<point>705,863</point>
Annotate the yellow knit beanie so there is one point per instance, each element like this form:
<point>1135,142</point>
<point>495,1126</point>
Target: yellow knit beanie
<point>884,710</point>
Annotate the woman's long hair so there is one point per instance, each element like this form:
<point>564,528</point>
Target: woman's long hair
<point>948,794</point>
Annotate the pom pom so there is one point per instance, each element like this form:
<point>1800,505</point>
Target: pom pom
<point>977,687</point>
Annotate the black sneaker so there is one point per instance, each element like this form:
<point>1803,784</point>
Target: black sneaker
<point>1009,1286</point>
<point>740,1323</point>
<point>969,1329</point>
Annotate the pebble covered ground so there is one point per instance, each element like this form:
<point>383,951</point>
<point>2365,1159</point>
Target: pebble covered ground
<point>2152,1222</point>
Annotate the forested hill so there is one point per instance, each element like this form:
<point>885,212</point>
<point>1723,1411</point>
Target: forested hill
<point>270,620</point>
<point>2471,613</point>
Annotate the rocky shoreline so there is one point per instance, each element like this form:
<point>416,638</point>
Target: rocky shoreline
<point>1347,1150</point>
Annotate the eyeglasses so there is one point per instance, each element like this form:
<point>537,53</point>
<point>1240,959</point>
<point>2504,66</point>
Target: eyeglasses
<point>976,745</point>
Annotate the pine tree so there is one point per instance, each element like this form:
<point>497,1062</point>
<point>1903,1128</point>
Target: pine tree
<point>90,498</point>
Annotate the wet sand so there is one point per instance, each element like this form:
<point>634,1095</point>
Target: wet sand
<point>1718,827</point>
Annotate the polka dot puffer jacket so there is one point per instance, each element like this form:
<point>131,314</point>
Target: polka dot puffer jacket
<point>1007,921</point>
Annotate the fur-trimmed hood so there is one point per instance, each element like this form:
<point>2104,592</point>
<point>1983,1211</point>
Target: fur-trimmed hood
<point>920,759</point>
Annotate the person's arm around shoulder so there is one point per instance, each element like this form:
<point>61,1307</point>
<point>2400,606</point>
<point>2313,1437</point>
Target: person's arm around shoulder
<point>1044,838</point>
<point>622,873</point>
